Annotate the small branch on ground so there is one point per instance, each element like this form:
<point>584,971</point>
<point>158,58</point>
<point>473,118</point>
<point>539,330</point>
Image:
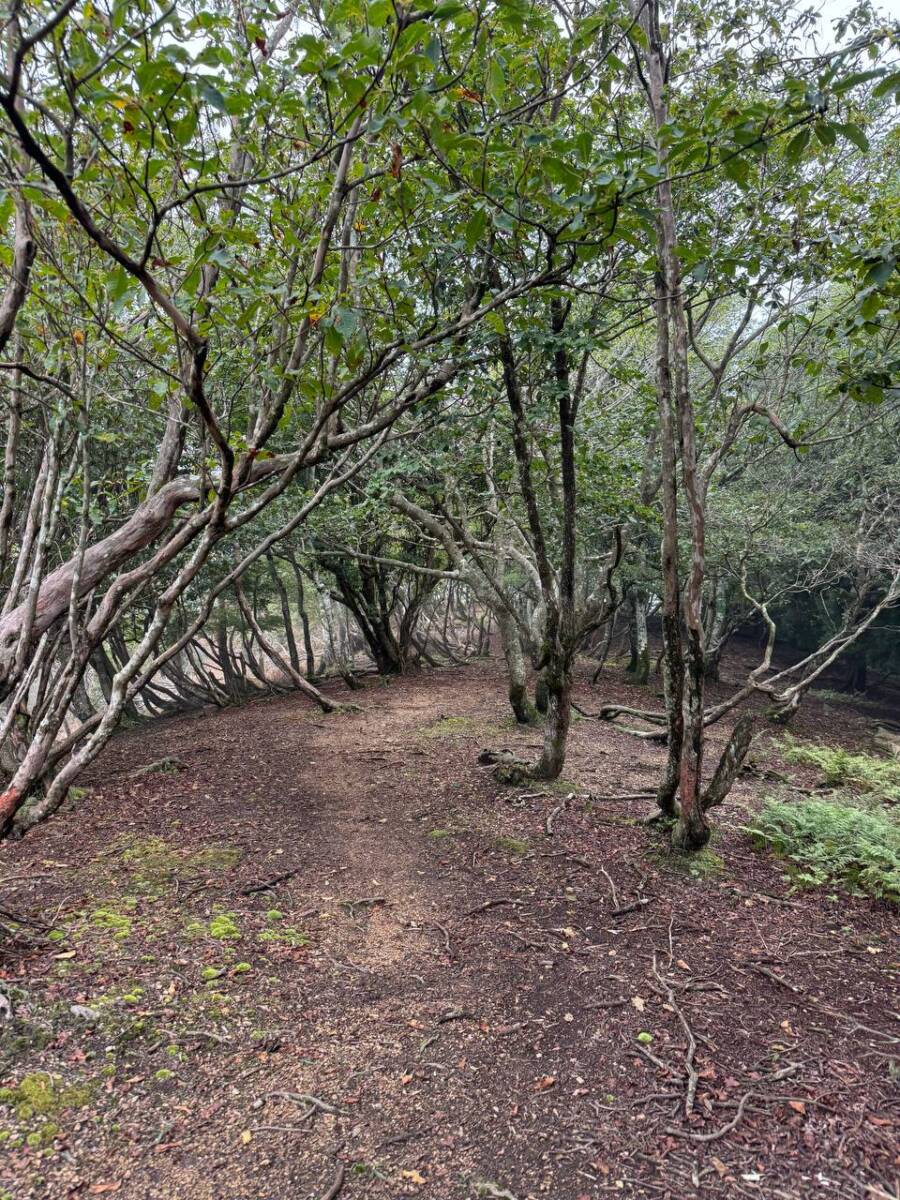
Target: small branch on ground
<point>166,765</point>
<point>551,817</point>
<point>336,1187</point>
<point>491,904</point>
<point>718,1133</point>
<point>269,883</point>
<point>692,1074</point>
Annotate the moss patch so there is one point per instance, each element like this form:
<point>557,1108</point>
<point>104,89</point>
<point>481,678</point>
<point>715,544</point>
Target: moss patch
<point>514,846</point>
<point>152,863</point>
<point>41,1095</point>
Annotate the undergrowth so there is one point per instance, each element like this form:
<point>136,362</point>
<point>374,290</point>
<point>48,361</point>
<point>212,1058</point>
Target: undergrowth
<point>838,840</point>
<point>865,772</point>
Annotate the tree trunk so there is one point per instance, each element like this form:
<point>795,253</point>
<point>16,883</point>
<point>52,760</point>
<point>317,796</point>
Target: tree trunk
<point>285,613</point>
<point>639,666</point>
<point>731,761</point>
<point>558,680</point>
<point>523,710</point>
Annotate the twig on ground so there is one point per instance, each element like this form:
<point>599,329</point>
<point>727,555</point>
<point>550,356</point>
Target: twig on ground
<point>718,1133</point>
<point>615,896</point>
<point>491,904</point>
<point>627,908</point>
<point>447,945</point>
<point>692,1074</point>
<point>336,1186</point>
<point>761,970</point>
<point>628,796</point>
<point>551,817</point>
<point>22,920</point>
<point>268,884</point>
<point>458,1014</point>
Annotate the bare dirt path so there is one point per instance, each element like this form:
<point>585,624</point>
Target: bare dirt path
<point>332,953</point>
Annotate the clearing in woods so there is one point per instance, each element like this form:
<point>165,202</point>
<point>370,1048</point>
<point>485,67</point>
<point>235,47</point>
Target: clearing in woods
<point>331,955</point>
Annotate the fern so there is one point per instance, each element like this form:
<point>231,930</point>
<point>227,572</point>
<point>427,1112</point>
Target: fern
<point>839,840</point>
<point>865,772</point>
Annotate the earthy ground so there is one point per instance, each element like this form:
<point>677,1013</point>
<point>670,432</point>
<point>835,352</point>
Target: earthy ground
<point>333,955</point>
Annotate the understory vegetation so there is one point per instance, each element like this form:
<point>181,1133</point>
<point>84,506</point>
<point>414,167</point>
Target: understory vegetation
<point>839,840</point>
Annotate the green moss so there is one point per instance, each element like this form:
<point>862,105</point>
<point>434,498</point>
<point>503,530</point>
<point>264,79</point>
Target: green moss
<point>274,915</point>
<point>438,834</point>
<point>450,727</point>
<point>241,968</point>
<point>209,973</point>
<point>117,924</point>
<point>513,846</point>
<point>703,864</point>
<point>224,927</point>
<point>152,862</point>
<point>288,935</point>
<point>42,1095</point>
<point>163,1075</point>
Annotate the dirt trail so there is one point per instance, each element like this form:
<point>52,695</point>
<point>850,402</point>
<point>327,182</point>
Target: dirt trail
<point>455,990</point>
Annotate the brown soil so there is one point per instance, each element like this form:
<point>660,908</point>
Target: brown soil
<point>459,974</point>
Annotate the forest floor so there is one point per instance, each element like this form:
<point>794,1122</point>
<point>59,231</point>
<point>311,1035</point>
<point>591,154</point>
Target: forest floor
<point>332,956</point>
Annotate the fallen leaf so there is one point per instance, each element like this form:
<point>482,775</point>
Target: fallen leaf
<point>97,1189</point>
<point>720,1167</point>
<point>797,1106</point>
<point>246,1137</point>
<point>412,1176</point>
<point>638,1003</point>
<point>544,1083</point>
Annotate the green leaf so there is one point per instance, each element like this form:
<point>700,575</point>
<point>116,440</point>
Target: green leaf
<point>737,170</point>
<point>496,80</point>
<point>854,134</point>
<point>797,145</point>
<point>211,95</point>
<point>475,227</point>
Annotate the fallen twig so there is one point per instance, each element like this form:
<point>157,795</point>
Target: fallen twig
<point>336,1186</point>
<point>692,1074</point>
<point>551,817</point>
<point>268,884</point>
<point>447,945</point>
<point>718,1133</point>
<point>491,904</point>
<point>627,908</point>
<point>761,970</point>
<point>628,796</point>
<point>615,897</point>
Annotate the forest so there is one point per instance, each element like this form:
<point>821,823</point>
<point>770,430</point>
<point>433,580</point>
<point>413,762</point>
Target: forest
<point>449,599</point>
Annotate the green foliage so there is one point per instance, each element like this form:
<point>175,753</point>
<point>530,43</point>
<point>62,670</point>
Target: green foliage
<point>862,772</point>
<point>837,840</point>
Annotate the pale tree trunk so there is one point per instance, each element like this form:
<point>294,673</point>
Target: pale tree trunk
<point>639,666</point>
